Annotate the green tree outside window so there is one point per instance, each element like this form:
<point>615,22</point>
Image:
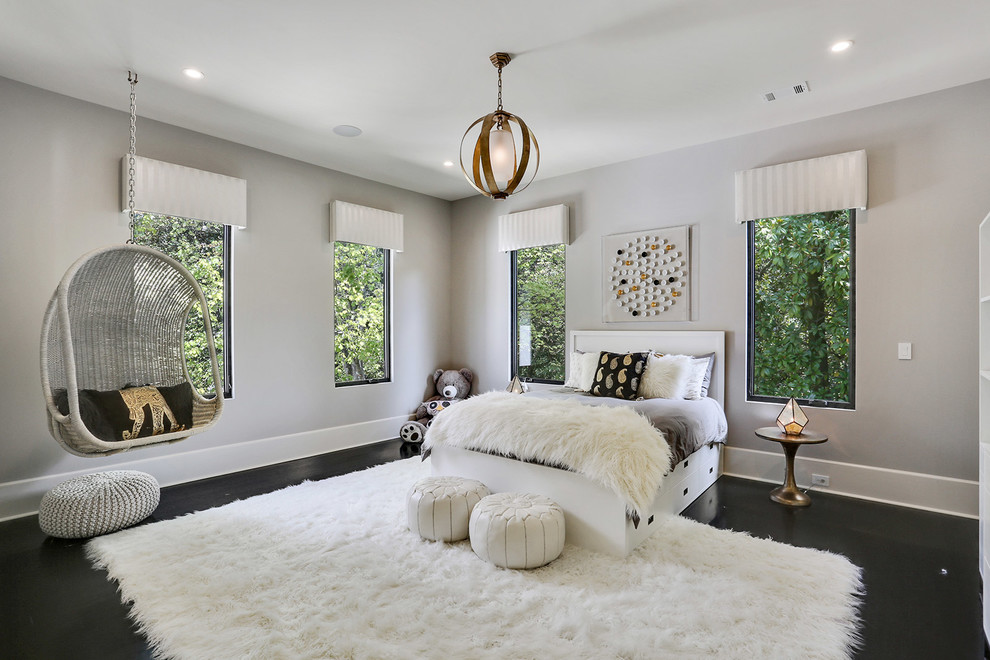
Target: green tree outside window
<point>801,320</point>
<point>360,313</point>
<point>538,313</point>
<point>199,246</point>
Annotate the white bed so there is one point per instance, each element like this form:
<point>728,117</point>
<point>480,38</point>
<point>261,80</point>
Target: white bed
<point>595,517</point>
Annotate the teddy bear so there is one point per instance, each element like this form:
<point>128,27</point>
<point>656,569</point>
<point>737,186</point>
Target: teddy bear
<point>450,386</point>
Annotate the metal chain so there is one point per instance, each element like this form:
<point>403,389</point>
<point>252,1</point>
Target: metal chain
<point>133,80</point>
<point>500,88</point>
<point>499,125</point>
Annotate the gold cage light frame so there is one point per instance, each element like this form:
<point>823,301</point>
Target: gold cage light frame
<point>476,150</point>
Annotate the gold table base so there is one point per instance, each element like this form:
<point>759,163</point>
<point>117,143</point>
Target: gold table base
<point>788,494</point>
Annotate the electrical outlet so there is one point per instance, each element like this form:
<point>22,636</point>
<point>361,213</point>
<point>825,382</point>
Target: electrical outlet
<point>819,480</point>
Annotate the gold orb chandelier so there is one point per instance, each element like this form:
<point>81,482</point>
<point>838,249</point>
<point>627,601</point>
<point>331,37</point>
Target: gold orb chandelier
<point>503,157</point>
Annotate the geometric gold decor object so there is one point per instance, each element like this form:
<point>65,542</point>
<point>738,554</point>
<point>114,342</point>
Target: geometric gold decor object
<point>647,276</point>
<point>516,386</point>
<point>792,419</point>
<point>502,158</point>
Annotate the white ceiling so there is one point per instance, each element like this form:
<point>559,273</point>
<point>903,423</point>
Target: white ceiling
<point>597,82</point>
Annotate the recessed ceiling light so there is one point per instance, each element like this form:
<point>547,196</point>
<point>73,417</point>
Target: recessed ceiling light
<point>347,131</point>
<point>195,74</point>
<point>448,163</point>
<point>840,46</point>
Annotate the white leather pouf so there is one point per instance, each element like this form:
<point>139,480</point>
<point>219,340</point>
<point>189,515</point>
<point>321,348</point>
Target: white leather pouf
<point>100,503</point>
<point>517,530</point>
<point>439,508</point>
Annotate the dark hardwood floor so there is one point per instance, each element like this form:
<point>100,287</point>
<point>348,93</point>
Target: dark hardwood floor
<point>920,569</point>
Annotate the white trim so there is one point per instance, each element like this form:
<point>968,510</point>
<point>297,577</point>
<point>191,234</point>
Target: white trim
<point>526,229</point>
<point>830,183</point>
<point>957,497</point>
<point>167,189</point>
<point>353,223</point>
<point>21,498</point>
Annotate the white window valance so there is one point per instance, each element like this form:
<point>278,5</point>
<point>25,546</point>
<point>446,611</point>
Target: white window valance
<point>362,224</point>
<point>831,183</point>
<point>546,226</point>
<point>168,189</point>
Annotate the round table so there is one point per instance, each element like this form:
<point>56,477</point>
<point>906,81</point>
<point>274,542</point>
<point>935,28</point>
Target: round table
<point>788,493</point>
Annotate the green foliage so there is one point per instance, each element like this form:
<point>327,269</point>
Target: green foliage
<point>539,300</point>
<point>199,247</point>
<point>359,312</point>
<point>802,284</point>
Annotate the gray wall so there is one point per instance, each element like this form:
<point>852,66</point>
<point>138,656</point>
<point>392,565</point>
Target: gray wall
<point>916,279</point>
<point>916,260</point>
<point>59,198</point>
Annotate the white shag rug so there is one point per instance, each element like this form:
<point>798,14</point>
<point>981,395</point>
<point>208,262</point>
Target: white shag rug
<point>328,569</point>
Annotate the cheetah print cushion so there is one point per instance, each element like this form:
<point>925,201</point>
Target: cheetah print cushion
<point>618,374</point>
<point>107,415</point>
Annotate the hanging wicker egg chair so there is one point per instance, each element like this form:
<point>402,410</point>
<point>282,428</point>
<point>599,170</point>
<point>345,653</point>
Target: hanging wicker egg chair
<point>113,364</point>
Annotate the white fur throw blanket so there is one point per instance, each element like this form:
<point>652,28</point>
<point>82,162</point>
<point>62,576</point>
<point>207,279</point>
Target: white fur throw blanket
<point>614,447</point>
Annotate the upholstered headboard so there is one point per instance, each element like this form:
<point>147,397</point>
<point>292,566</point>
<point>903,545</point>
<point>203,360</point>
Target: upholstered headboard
<point>687,342</point>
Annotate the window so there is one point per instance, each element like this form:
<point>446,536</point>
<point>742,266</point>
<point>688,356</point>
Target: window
<point>538,321</point>
<point>801,309</point>
<point>204,249</point>
<point>361,316</point>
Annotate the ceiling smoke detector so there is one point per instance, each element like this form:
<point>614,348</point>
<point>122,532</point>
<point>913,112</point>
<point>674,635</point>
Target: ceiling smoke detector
<point>793,90</point>
<point>346,130</point>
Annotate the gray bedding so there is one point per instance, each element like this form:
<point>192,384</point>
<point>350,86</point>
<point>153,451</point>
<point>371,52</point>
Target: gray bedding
<point>686,424</point>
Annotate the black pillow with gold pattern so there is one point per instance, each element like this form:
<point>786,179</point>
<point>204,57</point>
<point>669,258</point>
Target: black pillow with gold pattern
<point>133,412</point>
<point>618,374</point>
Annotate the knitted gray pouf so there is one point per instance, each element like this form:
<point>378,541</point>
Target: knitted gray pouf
<point>100,503</point>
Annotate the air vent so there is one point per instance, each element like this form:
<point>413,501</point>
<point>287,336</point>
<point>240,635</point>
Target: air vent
<point>793,90</point>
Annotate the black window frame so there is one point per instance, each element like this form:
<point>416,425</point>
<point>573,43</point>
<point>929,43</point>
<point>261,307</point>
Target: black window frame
<point>386,310</point>
<point>751,396</point>
<point>514,325</point>
<point>227,372</point>
<point>228,345</point>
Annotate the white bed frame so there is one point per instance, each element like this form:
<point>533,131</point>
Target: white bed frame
<point>595,517</point>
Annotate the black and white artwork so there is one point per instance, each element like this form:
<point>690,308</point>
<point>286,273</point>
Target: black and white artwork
<point>647,276</point>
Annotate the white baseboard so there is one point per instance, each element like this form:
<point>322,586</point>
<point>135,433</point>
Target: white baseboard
<point>21,498</point>
<point>957,497</point>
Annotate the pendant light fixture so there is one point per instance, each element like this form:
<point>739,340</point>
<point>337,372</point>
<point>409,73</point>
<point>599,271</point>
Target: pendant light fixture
<point>502,158</point>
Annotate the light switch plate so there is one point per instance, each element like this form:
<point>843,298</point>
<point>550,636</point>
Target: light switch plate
<point>904,351</point>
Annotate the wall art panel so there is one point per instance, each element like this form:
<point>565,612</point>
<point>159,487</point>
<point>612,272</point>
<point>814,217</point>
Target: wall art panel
<point>647,276</point>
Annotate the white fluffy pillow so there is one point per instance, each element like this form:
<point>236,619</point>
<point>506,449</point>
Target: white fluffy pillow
<point>666,377</point>
<point>697,369</point>
<point>574,372</point>
<point>582,372</point>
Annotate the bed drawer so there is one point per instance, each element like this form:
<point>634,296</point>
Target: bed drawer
<point>688,479</point>
<point>677,491</point>
<point>707,464</point>
<point>708,470</point>
<point>686,466</point>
